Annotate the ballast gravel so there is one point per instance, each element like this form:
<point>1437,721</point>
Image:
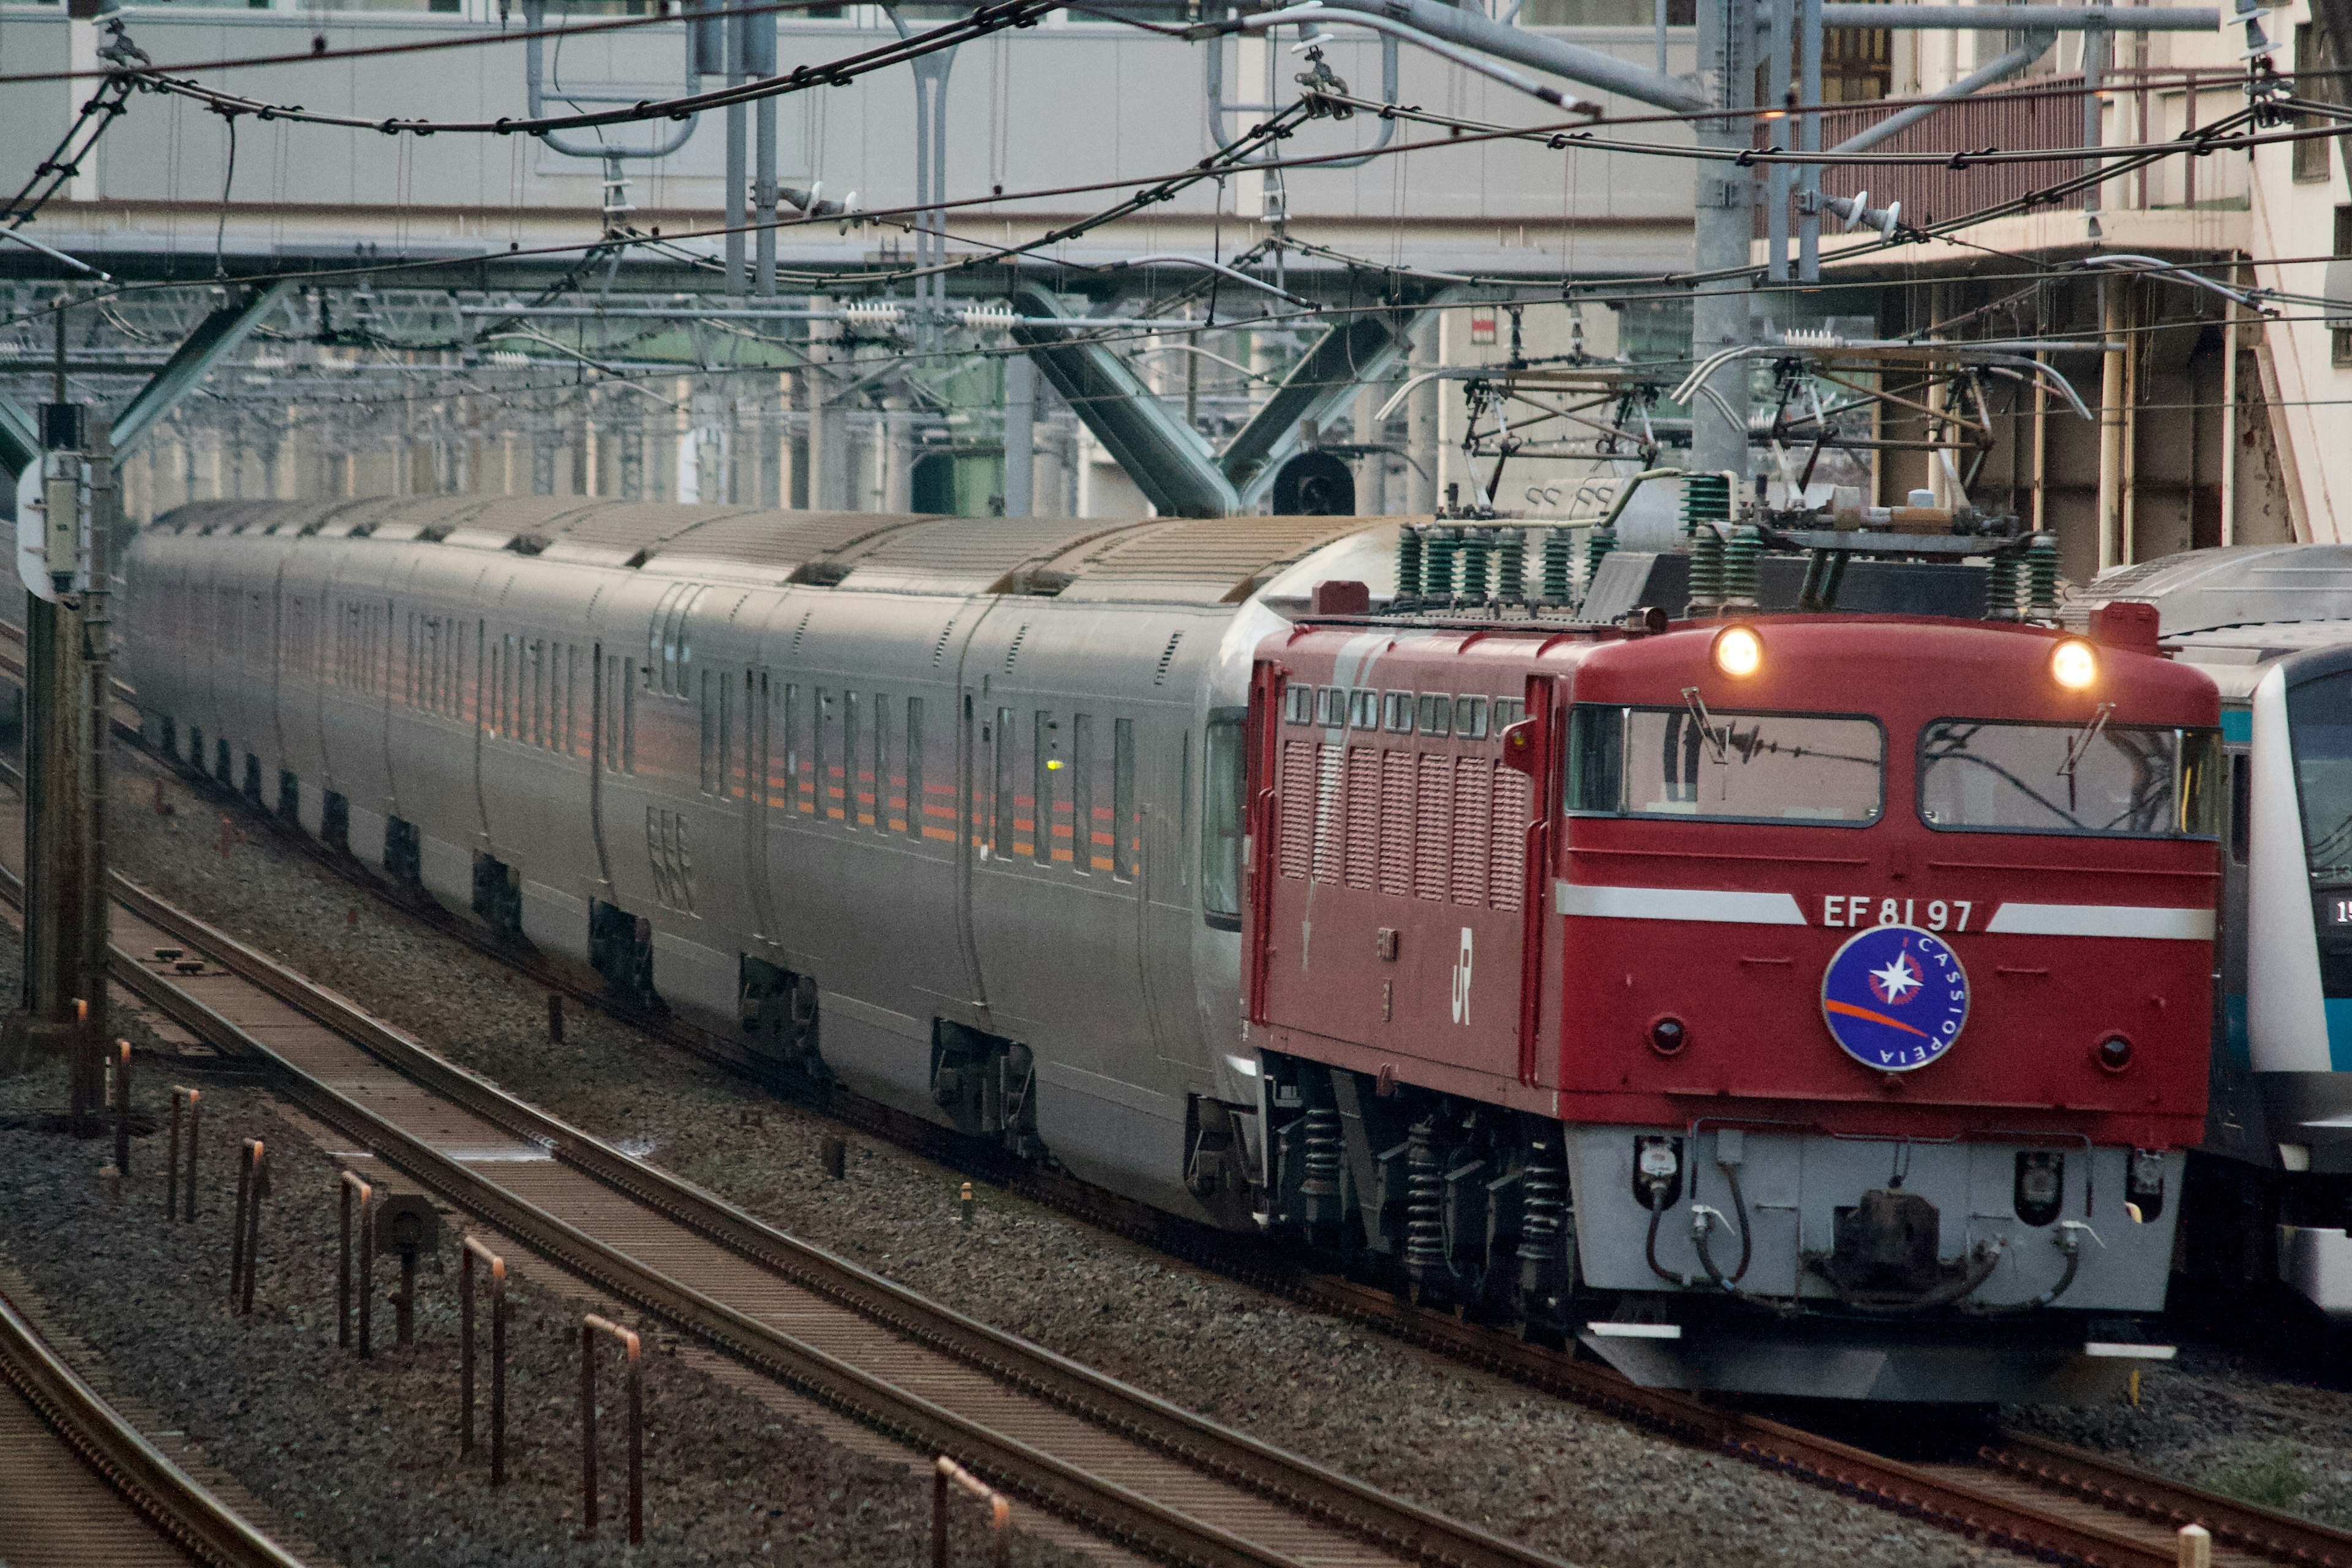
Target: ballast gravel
<point>1537,1469</point>
<point>361,1457</point>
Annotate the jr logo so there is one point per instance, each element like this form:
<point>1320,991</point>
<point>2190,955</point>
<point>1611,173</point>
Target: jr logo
<point>1462,981</point>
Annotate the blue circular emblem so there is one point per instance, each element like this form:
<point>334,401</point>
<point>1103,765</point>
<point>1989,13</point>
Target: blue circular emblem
<point>1895,997</point>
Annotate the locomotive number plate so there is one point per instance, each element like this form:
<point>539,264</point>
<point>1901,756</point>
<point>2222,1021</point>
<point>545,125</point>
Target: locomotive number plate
<point>1857,911</point>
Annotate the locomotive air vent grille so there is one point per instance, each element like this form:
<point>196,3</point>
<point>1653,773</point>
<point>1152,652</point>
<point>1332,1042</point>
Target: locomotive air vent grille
<point>1167,657</point>
<point>940,648</point>
<point>1013,652</point>
<point>801,630</point>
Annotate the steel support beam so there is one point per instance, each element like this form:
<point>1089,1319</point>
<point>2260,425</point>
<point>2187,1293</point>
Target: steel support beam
<point>20,440</point>
<point>2017,19</point>
<point>216,337</point>
<point>2035,46</point>
<point>1327,376</point>
<point>1571,62</point>
<point>1166,458</point>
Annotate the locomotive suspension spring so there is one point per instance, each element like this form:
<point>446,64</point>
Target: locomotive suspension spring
<point>1424,1204</point>
<point>1321,1184</point>
<point>1543,1208</point>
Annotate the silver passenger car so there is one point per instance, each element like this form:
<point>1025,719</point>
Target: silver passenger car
<point>946,807</point>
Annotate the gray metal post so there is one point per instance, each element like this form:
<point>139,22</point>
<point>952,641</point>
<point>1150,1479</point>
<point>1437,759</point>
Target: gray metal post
<point>1421,422</point>
<point>1020,436</point>
<point>738,169</point>
<point>2096,43</point>
<point>1779,178</point>
<point>761,62</point>
<point>1721,235</point>
<point>1808,138</point>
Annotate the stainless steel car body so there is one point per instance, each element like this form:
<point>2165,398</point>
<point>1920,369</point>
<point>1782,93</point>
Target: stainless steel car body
<point>952,770</point>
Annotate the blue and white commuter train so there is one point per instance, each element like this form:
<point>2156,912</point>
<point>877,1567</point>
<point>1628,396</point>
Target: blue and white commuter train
<point>2272,625</point>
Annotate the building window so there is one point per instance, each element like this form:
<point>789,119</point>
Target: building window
<point>2315,57</point>
<point>2339,339</point>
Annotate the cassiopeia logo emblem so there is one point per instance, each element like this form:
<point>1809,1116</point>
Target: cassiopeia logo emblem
<point>1895,997</point>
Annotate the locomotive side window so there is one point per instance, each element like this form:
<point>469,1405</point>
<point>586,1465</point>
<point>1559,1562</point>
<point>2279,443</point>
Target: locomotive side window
<point>1470,718</point>
<point>1330,705</point>
<point>1363,709</point>
<point>1397,712</point>
<point>1297,704</point>
<point>1222,808</point>
<point>1739,767</point>
<point>1508,711</point>
<point>1436,712</point>
<point>2097,777</point>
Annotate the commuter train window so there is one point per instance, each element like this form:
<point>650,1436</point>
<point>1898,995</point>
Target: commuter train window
<point>795,788</point>
<point>1222,815</point>
<point>1045,767</point>
<point>916,809</point>
<point>1331,705</point>
<point>1087,843</point>
<point>1436,713</point>
<point>710,753</point>
<point>1470,718</point>
<point>1979,775</point>
<point>1695,761</point>
<point>1297,704</point>
<point>1363,709</point>
<point>1125,848</point>
<point>2322,749</point>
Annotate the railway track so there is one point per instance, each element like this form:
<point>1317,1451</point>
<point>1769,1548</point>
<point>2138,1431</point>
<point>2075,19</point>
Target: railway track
<point>1113,1459</point>
<point>80,1488</point>
<point>2022,1493</point>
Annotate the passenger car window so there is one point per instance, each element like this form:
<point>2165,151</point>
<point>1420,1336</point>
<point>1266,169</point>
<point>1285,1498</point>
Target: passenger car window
<point>2095,777</point>
<point>1222,816</point>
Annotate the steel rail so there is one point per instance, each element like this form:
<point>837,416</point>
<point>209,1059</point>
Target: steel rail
<point>1387,1524</point>
<point>175,1503</point>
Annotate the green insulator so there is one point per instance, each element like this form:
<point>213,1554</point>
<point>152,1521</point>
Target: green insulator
<point>1511,564</point>
<point>1408,587</point>
<point>1559,579</point>
<point>1437,566</point>
<point>2041,576</point>
<point>1477,552</point>
<point>1741,552</point>
<point>1706,571</point>
<point>1597,546</point>
<point>1706,498</point>
<point>2001,589</point>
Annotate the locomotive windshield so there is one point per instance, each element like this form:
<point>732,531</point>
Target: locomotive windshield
<point>1744,767</point>
<point>2319,716</point>
<point>2093,777</point>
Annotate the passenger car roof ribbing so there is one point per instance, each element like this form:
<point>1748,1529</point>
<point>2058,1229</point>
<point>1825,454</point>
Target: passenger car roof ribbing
<point>1198,561</point>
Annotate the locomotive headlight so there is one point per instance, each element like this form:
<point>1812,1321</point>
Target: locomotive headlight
<point>1738,651</point>
<point>2074,663</point>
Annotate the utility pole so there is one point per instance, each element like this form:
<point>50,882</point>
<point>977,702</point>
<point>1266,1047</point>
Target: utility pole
<point>66,521</point>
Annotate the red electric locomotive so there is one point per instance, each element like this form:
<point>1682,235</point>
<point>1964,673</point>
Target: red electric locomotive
<point>1810,1005</point>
